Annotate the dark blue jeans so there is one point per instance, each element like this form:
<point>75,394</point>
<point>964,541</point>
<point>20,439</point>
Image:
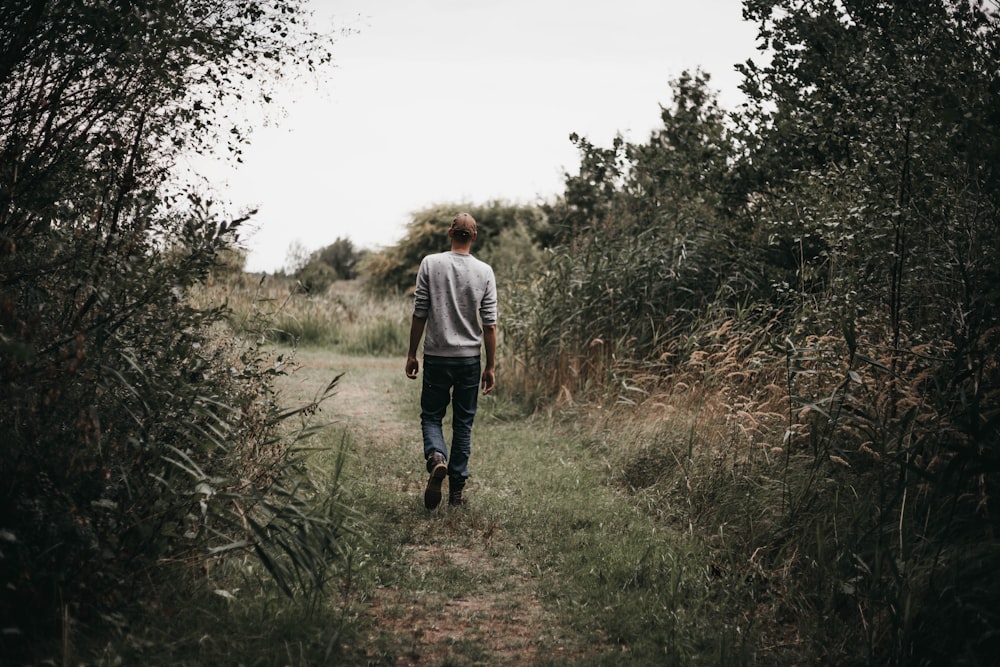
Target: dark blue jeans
<point>453,380</point>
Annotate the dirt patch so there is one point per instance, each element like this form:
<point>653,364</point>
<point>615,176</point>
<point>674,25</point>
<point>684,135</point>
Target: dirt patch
<point>483,627</point>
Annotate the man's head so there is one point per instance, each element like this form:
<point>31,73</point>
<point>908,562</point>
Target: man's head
<point>463,228</point>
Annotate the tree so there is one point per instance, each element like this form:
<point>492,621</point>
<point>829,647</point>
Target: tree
<point>876,125</point>
<point>647,242</point>
<point>134,434</point>
<point>874,150</point>
<point>342,257</point>
<point>337,261</point>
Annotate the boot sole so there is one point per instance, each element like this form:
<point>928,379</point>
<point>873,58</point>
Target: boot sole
<point>432,494</point>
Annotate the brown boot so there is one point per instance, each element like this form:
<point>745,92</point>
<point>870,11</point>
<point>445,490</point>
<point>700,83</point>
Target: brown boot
<point>455,498</point>
<point>438,470</point>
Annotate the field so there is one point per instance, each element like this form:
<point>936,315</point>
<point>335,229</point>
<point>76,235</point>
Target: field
<point>552,562</point>
<point>682,523</point>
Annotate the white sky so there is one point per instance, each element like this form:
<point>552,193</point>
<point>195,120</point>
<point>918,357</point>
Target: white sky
<point>441,101</point>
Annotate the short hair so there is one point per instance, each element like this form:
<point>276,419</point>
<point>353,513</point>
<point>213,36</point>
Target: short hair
<point>463,226</point>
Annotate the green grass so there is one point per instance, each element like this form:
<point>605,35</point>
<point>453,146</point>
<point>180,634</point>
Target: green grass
<point>554,561</point>
<point>193,624</point>
<point>545,523</point>
<point>704,520</point>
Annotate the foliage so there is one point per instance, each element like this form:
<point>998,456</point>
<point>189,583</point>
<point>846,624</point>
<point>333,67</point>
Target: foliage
<point>230,263</point>
<point>886,114</point>
<point>839,232</point>
<point>342,257</point>
<point>138,433</point>
<point>648,243</point>
<point>630,187</point>
<point>240,622</point>
<point>315,277</point>
<point>337,261</point>
<point>510,238</point>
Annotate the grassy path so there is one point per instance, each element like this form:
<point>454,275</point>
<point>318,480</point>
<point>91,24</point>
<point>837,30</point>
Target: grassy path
<point>547,565</point>
<point>451,587</point>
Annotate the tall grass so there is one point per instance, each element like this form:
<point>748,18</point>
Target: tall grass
<point>846,478</point>
<point>228,615</point>
<point>906,474</point>
<point>288,603</point>
<point>344,318</point>
<point>823,492</point>
<point>840,482</point>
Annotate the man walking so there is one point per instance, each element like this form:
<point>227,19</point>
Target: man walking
<point>455,304</point>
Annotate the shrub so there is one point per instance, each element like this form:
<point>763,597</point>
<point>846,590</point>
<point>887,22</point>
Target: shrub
<point>139,434</point>
<point>510,238</point>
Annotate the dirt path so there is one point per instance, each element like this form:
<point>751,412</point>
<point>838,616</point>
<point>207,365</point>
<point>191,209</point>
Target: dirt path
<point>450,588</point>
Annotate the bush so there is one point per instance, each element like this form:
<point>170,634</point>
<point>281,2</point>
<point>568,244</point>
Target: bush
<point>316,277</point>
<point>510,238</point>
<point>139,434</point>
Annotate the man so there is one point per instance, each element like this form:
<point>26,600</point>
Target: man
<point>456,305</point>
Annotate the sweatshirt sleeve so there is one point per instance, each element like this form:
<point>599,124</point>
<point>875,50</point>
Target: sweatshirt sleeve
<point>422,293</point>
<point>488,306</point>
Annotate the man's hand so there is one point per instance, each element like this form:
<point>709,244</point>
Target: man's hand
<point>417,325</point>
<point>490,343</point>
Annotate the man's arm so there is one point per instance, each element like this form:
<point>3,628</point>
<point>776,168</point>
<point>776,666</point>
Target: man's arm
<point>490,343</point>
<point>417,325</point>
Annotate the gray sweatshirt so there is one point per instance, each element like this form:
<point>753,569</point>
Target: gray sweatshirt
<point>457,295</point>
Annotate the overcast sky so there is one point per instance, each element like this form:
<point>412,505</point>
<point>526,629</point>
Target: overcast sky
<point>441,101</point>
